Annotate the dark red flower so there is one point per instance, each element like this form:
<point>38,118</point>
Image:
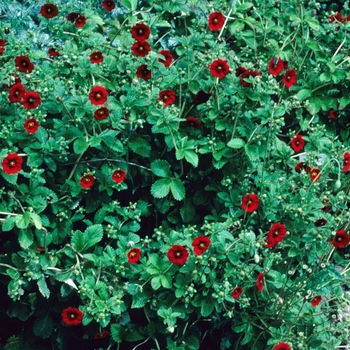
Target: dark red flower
<point>53,53</point>
<point>108,5</point>
<point>118,175</point>
<point>101,113</point>
<point>87,181</point>
<point>49,10</point>
<point>2,46</point>
<point>201,97</point>
<point>12,163</point>
<point>240,70</point>
<point>326,208</point>
<point>96,57</point>
<point>98,95</point>
<point>200,244</point>
<point>134,255</point>
<point>260,282</point>
<point>216,21</point>
<point>275,66</point>
<point>289,78</point>
<point>315,174</point>
<point>141,49</point>
<point>177,254</point>
<point>16,93</point>
<point>24,65</point>
<point>140,32</point>
<point>338,17</point>
<point>332,114</point>
<point>31,125</point>
<point>276,233</point>
<point>41,250</point>
<point>193,122</point>
<point>282,346</point>
<point>250,202</point>
<point>320,222</point>
<point>246,75</point>
<point>103,334</point>
<point>297,143</point>
<point>346,162</point>
<point>143,72</point>
<point>341,239</point>
<point>302,166</point>
<point>80,21</point>
<point>316,300</point>
<point>72,316</point>
<point>168,57</point>
<point>72,16</point>
<point>167,97</point>
<point>236,293</point>
<point>31,100</point>
<point>219,68</point>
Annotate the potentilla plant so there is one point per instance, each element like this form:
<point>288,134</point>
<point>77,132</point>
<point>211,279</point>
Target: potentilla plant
<point>175,175</point>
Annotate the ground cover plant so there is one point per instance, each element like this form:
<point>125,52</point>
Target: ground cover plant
<point>174,174</point>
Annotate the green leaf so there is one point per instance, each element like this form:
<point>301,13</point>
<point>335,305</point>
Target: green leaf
<point>207,308</point>
<point>191,157</point>
<point>36,219</point>
<point>77,241</point>
<point>166,281</point>
<point>252,151</point>
<point>156,282</point>
<point>117,332</point>
<point>12,179</point>
<point>236,143</point>
<point>9,223</point>
<point>44,290</point>
<point>161,168</point>
<point>80,146</point>
<point>140,147</point>
<point>303,94</point>
<point>177,189</point>
<point>161,188</point>
<point>25,238</point>
<point>23,221</point>
<point>43,326</point>
<point>91,236</point>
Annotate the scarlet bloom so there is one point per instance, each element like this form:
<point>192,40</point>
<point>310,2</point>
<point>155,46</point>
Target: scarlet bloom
<point>53,53</point>
<point>282,346</point>
<point>193,122</point>
<point>101,113</point>
<point>246,75</point>
<point>260,282</point>
<point>16,93</point>
<point>141,49</point>
<point>98,95</point>
<point>80,21</point>
<point>236,293</point>
<point>31,125</point>
<point>24,65</point>
<point>72,316</point>
<point>118,175</point>
<point>140,32</point>
<point>290,78</point>
<point>316,300</point>
<point>31,100</point>
<point>302,166</point>
<point>71,17</point>
<point>177,254</point>
<point>168,57</point>
<point>216,21</point>
<point>12,163</point>
<point>250,202</point>
<point>315,174</point>
<point>134,255</point>
<point>276,233</point>
<point>346,162</point>
<point>2,46</point>
<point>332,114</point>
<point>200,244</point>
<point>167,97</point>
<point>201,97</point>
<point>297,143</point>
<point>87,181</point>
<point>143,72</point>
<point>320,222</point>
<point>108,5</point>
<point>49,10</point>
<point>341,239</point>
<point>240,70</point>
<point>275,66</point>
<point>96,57</point>
<point>101,335</point>
<point>338,17</point>
<point>219,68</point>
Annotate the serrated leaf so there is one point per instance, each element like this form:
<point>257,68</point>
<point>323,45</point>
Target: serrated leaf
<point>140,147</point>
<point>303,94</point>
<point>206,309</point>
<point>117,332</point>
<point>166,281</point>
<point>156,282</point>
<point>9,223</point>
<point>36,219</point>
<point>80,146</point>
<point>12,179</point>
<point>77,241</point>
<point>236,143</point>
<point>25,238</point>
<point>93,235</point>
<point>44,290</point>
<point>43,326</point>
<point>177,189</point>
<point>192,157</point>
<point>161,188</point>
<point>252,151</point>
<point>161,168</point>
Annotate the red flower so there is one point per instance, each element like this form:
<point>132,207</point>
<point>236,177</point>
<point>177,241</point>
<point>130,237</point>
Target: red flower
<point>2,46</point>
<point>167,97</point>
<point>302,166</point>
<point>297,143</point>
<point>118,175</point>
<point>108,5</point>
<point>134,255</point>
<point>276,233</point>
<point>276,66</point>
<point>12,163</point>
<point>315,174</point>
<point>216,21</point>
<point>141,49</point>
<point>177,254</point>
<point>338,17</point>
<point>219,68</point>
<point>72,316</point>
<point>201,97</point>
<point>316,300</point>
<point>103,334</point>
<point>53,53</point>
<point>250,202</point>
<point>72,16</point>
<point>290,78</point>
<point>31,125</point>
<point>260,282</point>
<point>246,75</point>
<point>341,239</point>
<point>143,72</point>
<point>193,122</point>
<point>201,244</point>
<point>80,21</point>
<point>140,32</point>
<point>87,181</point>
<point>16,93</point>
<point>240,70</point>
<point>31,100</point>
<point>320,222</point>
<point>24,65</point>
<point>49,10</point>
<point>168,57</point>
<point>236,293</point>
<point>346,162</point>
<point>101,113</point>
<point>41,250</point>
<point>96,57</point>
<point>332,114</point>
<point>98,95</point>
<point>327,207</point>
<point>282,346</point>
